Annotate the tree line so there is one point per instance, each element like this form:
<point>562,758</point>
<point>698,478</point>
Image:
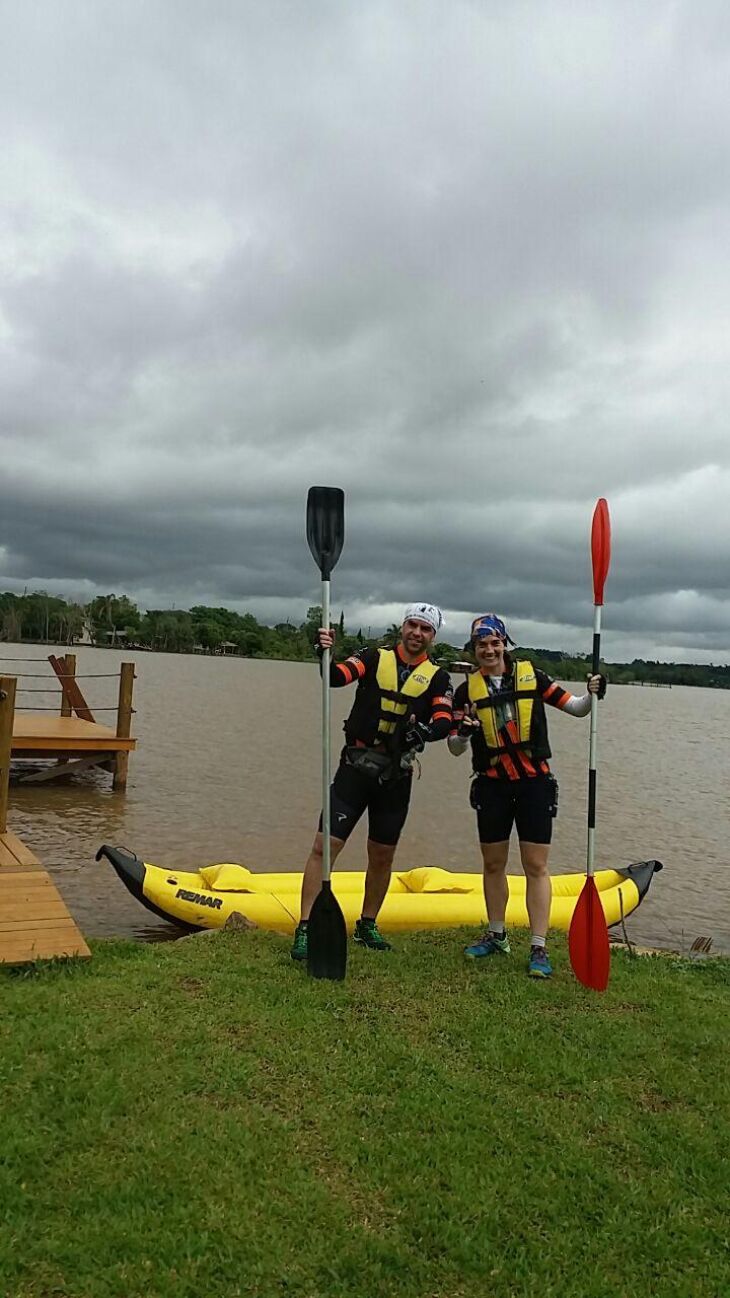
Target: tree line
<point>116,620</point>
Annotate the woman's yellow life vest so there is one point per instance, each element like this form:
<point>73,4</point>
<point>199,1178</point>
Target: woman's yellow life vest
<point>529,713</point>
<point>394,700</point>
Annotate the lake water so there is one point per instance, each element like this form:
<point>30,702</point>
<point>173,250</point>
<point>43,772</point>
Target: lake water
<point>228,769</point>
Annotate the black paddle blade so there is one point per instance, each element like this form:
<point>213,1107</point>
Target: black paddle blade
<point>325,526</point>
<point>326,937</point>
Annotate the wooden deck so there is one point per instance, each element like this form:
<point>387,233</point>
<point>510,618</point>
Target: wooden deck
<point>47,736</point>
<point>72,741</point>
<point>34,921</point>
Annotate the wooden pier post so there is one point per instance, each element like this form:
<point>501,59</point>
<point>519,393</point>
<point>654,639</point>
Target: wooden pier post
<point>7,714</point>
<point>70,669</point>
<point>124,723</point>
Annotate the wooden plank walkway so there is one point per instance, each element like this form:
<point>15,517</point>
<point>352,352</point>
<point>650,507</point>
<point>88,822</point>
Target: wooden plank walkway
<point>34,921</point>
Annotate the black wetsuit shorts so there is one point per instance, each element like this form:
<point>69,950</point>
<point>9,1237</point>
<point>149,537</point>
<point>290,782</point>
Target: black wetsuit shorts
<point>530,804</point>
<point>352,793</point>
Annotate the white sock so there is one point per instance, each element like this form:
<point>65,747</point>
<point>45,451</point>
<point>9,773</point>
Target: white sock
<point>537,941</point>
<point>496,926</point>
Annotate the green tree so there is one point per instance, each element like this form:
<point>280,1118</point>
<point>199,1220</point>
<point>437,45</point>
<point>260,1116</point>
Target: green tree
<point>41,616</point>
<point>210,634</point>
<point>11,617</point>
<point>109,614</point>
<point>72,620</point>
<point>168,630</point>
<point>445,653</point>
<point>250,642</point>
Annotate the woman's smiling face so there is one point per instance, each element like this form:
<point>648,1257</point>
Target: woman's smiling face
<point>489,652</point>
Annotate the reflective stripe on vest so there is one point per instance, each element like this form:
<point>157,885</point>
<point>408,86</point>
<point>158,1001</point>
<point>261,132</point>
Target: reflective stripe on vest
<point>394,701</point>
<point>524,694</point>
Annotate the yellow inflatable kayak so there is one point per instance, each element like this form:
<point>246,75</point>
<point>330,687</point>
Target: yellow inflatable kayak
<point>428,897</point>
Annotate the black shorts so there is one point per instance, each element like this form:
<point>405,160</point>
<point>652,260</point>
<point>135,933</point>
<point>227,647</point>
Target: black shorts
<point>387,805</point>
<point>530,804</point>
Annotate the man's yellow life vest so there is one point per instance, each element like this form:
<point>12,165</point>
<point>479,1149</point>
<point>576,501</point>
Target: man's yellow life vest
<point>394,700</point>
<point>529,712</point>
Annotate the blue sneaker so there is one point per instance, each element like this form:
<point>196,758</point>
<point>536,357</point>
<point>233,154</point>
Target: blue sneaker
<point>539,966</point>
<point>490,944</point>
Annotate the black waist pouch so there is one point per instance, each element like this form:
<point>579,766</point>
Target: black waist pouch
<point>369,762</point>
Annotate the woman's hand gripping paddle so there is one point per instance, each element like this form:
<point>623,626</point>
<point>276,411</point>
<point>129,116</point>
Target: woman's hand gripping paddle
<point>326,932</point>
<point>588,936</point>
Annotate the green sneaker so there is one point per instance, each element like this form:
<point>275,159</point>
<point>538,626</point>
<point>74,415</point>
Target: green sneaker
<point>538,966</point>
<point>299,945</point>
<point>490,944</point>
<point>367,934</point>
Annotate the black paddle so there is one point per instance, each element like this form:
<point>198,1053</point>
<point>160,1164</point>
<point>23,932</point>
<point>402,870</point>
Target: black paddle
<point>326,931</point>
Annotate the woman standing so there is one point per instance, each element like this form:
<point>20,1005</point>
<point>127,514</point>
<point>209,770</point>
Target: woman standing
<point>500,712</point>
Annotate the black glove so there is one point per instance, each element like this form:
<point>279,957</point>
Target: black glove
<point>601,691</point>
<point>467,727</point>
<point>415,737</point>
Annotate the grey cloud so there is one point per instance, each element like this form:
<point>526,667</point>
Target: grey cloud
<point>468,261</point>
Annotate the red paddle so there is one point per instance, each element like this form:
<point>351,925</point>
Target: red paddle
<point>588,937</point>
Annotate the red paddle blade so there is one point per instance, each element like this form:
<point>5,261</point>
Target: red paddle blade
<point>588,940</point>
<point>600,548</point>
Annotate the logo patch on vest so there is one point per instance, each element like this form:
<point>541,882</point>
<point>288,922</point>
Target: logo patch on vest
<point>420,680</point>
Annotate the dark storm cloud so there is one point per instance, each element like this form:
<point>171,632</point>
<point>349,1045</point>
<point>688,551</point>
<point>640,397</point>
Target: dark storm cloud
<point>467,261</point>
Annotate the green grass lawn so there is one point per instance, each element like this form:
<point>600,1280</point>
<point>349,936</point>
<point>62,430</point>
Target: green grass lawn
<point>200,1119</point>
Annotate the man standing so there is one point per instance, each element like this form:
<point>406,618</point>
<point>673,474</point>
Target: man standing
<point>403,702</point>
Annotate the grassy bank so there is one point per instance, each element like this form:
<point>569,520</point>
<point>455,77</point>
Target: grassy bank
<point>199,1119</point>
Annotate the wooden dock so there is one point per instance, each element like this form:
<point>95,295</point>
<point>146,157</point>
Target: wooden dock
<point>34,921</point>
<point>73,737</point>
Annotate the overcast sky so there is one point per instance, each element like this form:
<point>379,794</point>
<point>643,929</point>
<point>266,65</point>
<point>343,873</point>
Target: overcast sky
<point>467,260</point>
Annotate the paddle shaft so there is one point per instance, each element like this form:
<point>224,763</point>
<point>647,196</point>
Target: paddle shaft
<point>592,778</point>
<point>326,846</point>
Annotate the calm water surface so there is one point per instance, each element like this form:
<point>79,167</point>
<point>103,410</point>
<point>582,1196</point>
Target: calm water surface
<point>227,769</point>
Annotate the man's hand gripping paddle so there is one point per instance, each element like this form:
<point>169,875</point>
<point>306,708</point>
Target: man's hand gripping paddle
<point>588,936</point>
<point>326,932</point>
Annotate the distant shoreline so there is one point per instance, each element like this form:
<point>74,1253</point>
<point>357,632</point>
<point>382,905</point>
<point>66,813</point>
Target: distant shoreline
<point>557,665</point>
